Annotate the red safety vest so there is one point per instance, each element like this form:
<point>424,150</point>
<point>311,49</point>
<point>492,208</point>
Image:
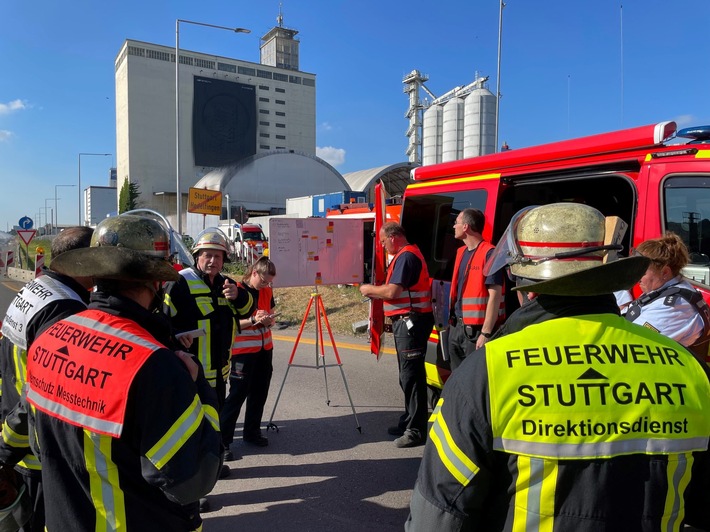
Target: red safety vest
<point>255,337</point>
<point>81,368</point>
<point>475,294</point>
<point>415,299</point>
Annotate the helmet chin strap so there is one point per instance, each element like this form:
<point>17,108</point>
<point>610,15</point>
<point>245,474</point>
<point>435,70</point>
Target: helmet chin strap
<point>158,295</point>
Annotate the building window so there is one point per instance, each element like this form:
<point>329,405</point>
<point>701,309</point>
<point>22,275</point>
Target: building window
<point>262,99</point>
<point>264,111</point>
<point>246,71</point>
<point>262,123</point>
<point>308,82</point>
<point>281,125</point>
<point>280,113</point>
<point>263,74</point>
<point>264,146</point>
<point>155,54</point>
<point>279,89</point>
<point>134,50</point>
<point>264,135</point>
<point>280,77</point>
<point>203,63</point>
<point>281,137</point>
<point>264,87</point>
<point>186,60</point>
<point>280,102</point>
<point>280,147</point>
<point>294,79</point>
<point>225,67</point>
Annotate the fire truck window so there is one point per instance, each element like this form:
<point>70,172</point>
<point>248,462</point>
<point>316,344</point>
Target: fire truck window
<point>687,213</point>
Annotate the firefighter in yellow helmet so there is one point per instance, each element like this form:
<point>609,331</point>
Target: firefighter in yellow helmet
<point>126,429</point>
<point>578,420</point>
<point>204,300</point>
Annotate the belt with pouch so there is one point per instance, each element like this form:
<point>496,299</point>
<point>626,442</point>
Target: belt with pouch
<point>393,320</point>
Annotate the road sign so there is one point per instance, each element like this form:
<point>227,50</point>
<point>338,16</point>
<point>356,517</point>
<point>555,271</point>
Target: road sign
<point>203,201</point>
<point>26,235</point>
<point>26,222</point>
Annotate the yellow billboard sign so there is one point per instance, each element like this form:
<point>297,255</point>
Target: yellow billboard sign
<point>204,201</point>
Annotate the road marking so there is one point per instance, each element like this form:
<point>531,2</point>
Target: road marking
<point>8,285</point>
<point>344,345</point>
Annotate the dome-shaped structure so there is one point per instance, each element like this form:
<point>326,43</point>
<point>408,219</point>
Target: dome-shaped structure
<point>395,177</point>
<point>260,184</point>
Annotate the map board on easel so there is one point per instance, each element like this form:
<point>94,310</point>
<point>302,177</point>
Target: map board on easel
<point>312,251</point>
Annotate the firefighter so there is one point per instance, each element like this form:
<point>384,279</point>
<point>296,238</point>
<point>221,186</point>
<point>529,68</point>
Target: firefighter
<point>126,429</point>
<point>477,304</point>
<point>41,302</point>
<point>407,303</point>
<point>581,420</point>
<point>251,363</point>
<point>204,300</point>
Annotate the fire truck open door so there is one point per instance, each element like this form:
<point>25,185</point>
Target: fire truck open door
<point>379,259</point>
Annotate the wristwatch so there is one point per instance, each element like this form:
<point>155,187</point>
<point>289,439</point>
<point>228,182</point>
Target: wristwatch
<point>252,319</point>
<point>486,335</point>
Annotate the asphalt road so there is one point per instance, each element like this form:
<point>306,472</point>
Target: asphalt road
<point>319,472</point>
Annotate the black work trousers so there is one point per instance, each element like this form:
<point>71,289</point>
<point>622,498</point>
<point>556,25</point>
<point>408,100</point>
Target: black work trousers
<point>411,344</point>
<point>461,343</point>
<point>249,380</point>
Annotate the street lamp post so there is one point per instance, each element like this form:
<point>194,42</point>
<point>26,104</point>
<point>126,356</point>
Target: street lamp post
<point>56,209</point>
<point>39,225</point>
<point>97,154</point>
<point>178,209</point>
<point>48,220</point>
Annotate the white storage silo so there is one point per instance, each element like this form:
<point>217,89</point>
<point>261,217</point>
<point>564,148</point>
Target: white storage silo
<point>431,135</point>
<point>479,123</point>
<point>452,130</point>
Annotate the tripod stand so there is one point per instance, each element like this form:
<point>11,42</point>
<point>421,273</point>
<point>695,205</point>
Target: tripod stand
<point>320,316</point>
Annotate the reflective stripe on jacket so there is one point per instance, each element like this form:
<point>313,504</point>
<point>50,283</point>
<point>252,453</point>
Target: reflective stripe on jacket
<point>208,312</point>
<point>416,298</point>
<point>474,299</point>
<point>254,338</point>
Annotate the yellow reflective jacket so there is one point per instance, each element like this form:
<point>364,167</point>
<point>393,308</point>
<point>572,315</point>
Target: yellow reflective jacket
<point>580,423</point>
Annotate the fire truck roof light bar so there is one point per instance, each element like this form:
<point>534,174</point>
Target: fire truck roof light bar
<point>698,134</point>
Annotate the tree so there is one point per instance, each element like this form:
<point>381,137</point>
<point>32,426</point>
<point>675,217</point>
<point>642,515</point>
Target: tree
<point>128,197</point>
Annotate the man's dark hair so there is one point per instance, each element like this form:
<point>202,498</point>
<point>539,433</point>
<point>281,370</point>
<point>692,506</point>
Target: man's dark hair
<point>474,218</point>
<point>71,238</point>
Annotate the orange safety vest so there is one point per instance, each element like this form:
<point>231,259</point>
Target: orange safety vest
<point>255,337</point>
<point>415,299</point>
<point>475,294</point>
<point>81,368</point>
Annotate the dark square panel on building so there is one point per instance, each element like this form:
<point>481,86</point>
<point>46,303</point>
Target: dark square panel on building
<point>223,121</point>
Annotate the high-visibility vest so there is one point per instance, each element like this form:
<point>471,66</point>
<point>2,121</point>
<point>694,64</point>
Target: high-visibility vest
<point>474,298</point>
<point>595,386</point>
<point>255,337</point>
<point>28,302</point>
<point>416,298</point>
<point>81,368</point>
<point>32,298</point>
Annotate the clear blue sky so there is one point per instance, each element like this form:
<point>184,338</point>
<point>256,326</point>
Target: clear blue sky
<point>561,73</point>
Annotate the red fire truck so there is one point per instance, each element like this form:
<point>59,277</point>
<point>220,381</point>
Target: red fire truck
<point>653,177</point>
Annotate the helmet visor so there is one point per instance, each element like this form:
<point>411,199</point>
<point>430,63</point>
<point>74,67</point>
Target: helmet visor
<point>507,251</point>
